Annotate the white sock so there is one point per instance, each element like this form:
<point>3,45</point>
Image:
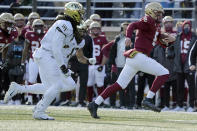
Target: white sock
<point>47,98</point>
<point>150,94</point>
<point>99,100</point>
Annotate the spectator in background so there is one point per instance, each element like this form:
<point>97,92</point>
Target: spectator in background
<point>179,27</point>
<point>117,59</point>
<point>182,46</point>
<point>83,68</point>
<point>165,56</point>
<point>192,59</point>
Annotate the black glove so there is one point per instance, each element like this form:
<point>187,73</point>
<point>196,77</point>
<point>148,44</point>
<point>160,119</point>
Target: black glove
<point>100,68</point>
<point>64,69</point>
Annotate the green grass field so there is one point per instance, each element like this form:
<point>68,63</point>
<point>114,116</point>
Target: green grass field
<point>19,118</point>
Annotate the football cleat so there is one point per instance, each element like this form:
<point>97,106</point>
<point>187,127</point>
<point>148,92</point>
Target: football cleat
<point>41,116</point>
<point>148,103</point>
<point>12,91</point>
<point>92,107</point>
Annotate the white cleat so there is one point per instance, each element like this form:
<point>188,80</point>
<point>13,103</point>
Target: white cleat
<point>165,109</point>
<point>178,108</point>
<point>190,109</point>
<point>11,92</point>
<point>41,116</point>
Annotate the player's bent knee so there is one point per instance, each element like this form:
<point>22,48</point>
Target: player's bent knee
<point>164,72</point>
<point>122,85</point>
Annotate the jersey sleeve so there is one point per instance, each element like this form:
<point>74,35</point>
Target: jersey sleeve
<point>106,49</point>
<point>142,24</point>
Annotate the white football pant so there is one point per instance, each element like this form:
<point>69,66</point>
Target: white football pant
<point>53,80</point>
<point>140,62</point>
<point>95,77</point>
<point>33,71</point>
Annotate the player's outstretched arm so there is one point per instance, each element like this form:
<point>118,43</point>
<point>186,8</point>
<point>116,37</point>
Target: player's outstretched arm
<point>82,59</point>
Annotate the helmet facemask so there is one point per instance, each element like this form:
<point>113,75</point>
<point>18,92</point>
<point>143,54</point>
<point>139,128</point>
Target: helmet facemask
<point>38,29</point>
<point>95,31</point>
<point>7,27</point>
<point>168,25</point>
<point>20,23</point>
<point>159,16</point>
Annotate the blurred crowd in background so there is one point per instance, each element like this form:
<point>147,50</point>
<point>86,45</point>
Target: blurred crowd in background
<point>18,44</point>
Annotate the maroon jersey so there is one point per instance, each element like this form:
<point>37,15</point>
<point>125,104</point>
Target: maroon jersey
<point>106,49</point>
<point>147,34</point>
<point>99,42</point>
<point>27,28</point>
<point>34,40</point>
<point>6,38</point>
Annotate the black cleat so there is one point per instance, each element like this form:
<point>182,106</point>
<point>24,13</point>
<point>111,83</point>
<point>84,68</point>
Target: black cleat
<point>92,107</point>
<point>148,103</point>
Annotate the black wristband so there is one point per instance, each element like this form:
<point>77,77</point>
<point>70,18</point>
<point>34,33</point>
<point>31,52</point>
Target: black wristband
<point>64,69</point>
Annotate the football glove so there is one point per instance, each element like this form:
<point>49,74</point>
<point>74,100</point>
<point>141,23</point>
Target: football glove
<point>100,68</point>
<point>67,72</point>
<point>92,61</point>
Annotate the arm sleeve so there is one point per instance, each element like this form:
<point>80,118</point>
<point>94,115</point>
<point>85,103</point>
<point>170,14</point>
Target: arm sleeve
<point>106,49</point>
<point>193,54</point>
<point>141,25</point>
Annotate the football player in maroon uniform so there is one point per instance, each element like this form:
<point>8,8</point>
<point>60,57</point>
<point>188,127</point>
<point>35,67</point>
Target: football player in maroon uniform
<point>32,16</point>
<point>96,73</point>
<point>20,21</point>
<point>32,41</point>
<point>148,32</point>
<point>7,34</point>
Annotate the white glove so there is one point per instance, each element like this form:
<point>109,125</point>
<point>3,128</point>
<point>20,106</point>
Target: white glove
<point>92,61</point>
<point>69,73</point>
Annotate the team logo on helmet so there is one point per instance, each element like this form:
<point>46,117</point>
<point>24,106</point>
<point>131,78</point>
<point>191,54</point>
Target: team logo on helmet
<point>74,10</point>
